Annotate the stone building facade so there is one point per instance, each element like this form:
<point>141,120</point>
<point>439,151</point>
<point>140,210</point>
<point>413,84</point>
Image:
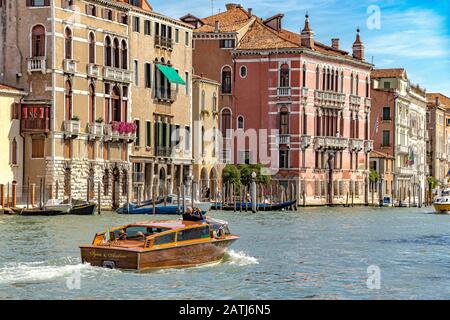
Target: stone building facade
<point>399,124</point>
<point>313,99</point>
<point>206,139</point>
<point>75,58</point>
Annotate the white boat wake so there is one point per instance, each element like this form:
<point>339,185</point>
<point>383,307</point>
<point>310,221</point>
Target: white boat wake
<point>240,258</point>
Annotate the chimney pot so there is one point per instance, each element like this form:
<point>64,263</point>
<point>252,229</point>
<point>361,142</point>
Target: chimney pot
<point>250,11</point>
<point>217,26</point>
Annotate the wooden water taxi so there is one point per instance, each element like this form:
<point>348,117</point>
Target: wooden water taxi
<point>442,203</point>
<point>160,244</point>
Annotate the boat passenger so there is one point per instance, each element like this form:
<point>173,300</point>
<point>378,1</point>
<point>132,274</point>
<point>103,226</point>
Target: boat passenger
<point>140,236</point>
<point>122,235</point>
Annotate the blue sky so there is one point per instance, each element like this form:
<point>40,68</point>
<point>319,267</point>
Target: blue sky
<point>412,34</point>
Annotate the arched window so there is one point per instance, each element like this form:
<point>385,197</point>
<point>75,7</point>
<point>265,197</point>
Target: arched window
<point>336,81</point>
<point>116,49</point>
<point>108,52</point>
<point>116,109</point>
<point>284,120</point>
<point>214,102</point>
<point>91,104</point>
<point>203,102</point>
<point>68,43</point>
<point>226,80</point>
<point>352,80</point>
<point>14,152</point>
<point>357,85</point>
<point>284,76</point>
<point>317,78</point>
<point>38,41</point>
<point>367,87</point>
<point>243,72</point>
<point>203,140</point>
<point>91,48</point>
<point>68,100</point>
<point>240,122</point>
<point>304,75</point>
<point>225,121</point>
<point>124,55</point>
<point>342,82</point>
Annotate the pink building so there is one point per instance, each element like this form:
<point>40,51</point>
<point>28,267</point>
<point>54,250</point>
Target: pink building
<point>312,98</point>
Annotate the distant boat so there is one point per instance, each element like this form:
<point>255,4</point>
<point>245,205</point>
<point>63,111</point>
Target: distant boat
<point>171,207</point>
<point>86,209</point>
<point>442,203</point>
<point>41,212</point>
<point>248,206</point>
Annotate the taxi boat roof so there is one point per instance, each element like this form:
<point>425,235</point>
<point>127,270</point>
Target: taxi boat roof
<point>169,224</point>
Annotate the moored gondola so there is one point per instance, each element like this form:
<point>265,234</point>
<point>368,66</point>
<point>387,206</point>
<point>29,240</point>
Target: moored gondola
<point>248,206</point>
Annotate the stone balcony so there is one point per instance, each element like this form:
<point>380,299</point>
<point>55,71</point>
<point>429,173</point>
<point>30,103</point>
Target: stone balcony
<point>72,129</point>
<point>368,103</point>
<point>284,92</point>
<point>284,139</point>
<point>163,43</point>
<point>404,171</point>
<point>329,99</point>
<point>95,130</point>
<point>93,70</point>
<point>330,143</point>
<point>401,149</point>
<point>36,64</point>
<point>305,142</point>
<point>70,66</point>
<point>356,144</point>
<point>112,134</point>
<point>115,74</point>
<point>368,146</point>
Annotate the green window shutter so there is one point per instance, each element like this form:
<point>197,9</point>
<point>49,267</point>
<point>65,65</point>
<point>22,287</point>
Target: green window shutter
<point>148,134</point>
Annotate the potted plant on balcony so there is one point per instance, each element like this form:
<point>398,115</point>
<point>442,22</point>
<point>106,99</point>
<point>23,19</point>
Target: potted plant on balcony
<point>99,120</point>
<point>75,118</point>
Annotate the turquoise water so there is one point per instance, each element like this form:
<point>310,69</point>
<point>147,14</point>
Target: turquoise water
<point>320,253</point>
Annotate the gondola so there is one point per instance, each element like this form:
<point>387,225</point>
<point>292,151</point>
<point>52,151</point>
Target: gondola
<point>41,212</point>
<point>248,206</point>
<point>86,209</point>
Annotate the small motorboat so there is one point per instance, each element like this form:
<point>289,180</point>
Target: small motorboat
<point>57,205</point>
<point>86,209</point>
<point>41,212</point>
<point>248,206</point>
<point>170,208</point>
<point>442,202</point>
<point>160,244</point>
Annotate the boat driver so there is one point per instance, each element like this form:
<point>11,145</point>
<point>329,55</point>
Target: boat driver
<point>122,235</point>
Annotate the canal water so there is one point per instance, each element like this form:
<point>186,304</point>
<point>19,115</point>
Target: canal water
<point>316,253</point>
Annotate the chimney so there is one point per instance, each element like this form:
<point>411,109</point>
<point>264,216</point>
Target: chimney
<point>250,12</point>
<point>217,26</point>
<point>358,47</point>
<point>335,44</point>
<point>307,35</point>
<point>231,6</point>
<point>438,101</point>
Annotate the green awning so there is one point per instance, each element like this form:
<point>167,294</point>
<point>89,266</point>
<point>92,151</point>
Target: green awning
<point>171,74</point>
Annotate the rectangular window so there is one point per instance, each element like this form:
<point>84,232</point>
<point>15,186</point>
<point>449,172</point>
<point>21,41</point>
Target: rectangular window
<point>284,159</point>
<point>387,85</point>
<point>186,39</point>
<point>186,77</point>
<point>136,73</point>
<point>138,133</point>
<point>147,27</point>
<point>91,10</point>
<point>108,14</point>
<point>193,234</point>
<point>148,75</point>
<point>37,148</point>
<point>123,18</point>
<point>177,35</point>
<point>227,44</point>
<point>386,113</point>
<point>187,141</point>
<point>38,3</point>
<point>148,134</point>
<point>386,138</point>
<point>136,24</point>
<point>164,239</point>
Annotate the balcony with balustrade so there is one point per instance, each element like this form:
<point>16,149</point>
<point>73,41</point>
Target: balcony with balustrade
<point>35,119</point>
<point>329,99</point>
<point>330,143</point>
<point>284,139</point>
<point>163,43</point>
<point>165,94</point>
<point>404,171</point>
<point>163,152</point>
<point>116,74</point>
<point>95,130</point>
<point>355,102</point>
<point>120,132</point>
<point>401,149</point>
<point>70,66</point>
<point>36,64</point>
<point>72,128</point>
<point>93,70</point>
<point>284,92</point>
<point>368,146</point>
<point>305,141</point>
<point>356,145</point>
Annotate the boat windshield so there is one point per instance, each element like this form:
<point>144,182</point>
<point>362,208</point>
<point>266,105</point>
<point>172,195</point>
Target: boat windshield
<point>137,232</point>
